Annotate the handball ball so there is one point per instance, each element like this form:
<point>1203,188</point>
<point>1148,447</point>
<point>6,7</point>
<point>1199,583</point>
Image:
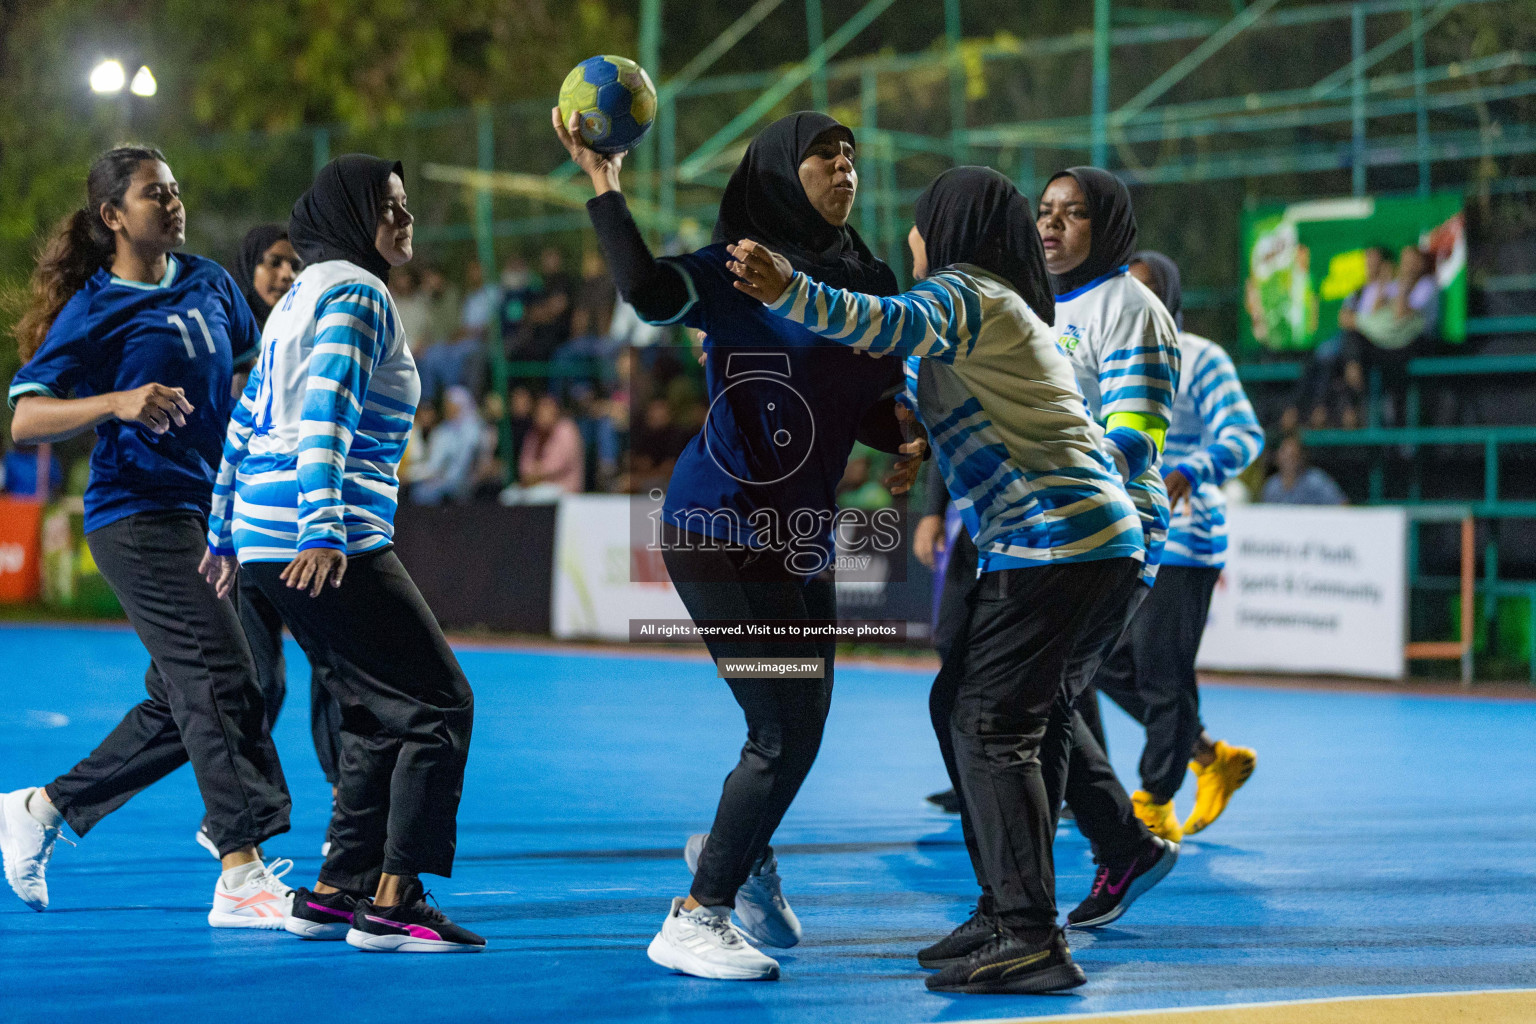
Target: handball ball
<point>615,99</point>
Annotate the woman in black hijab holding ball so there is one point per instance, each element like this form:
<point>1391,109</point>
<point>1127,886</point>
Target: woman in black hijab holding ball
<point>785,411</point>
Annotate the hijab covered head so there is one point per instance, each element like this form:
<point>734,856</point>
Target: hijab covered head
<point>764,201</point>
<point>1165,282</point>
<point>976,215</point>
<point>1111,221</point>
<point>252,248</point>
<point>338,218</point>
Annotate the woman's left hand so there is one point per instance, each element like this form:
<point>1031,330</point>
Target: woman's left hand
<point>904,470</point>
<point>220,571</point>
<point>761,272</point>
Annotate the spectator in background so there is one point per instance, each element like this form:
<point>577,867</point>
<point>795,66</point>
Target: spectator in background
<point>414,308</point>
<point>654,445</point>
<point>518,286</point>
<point>491,462</point>
<point>437,369</point>
<point>447,471</point>
<point>1394,329</point>
<point>591,317</point>
<point>547,324</point>
<point>551,461</point>
<point>1295,481</point>
<point>421,429</point>
<point>1315,392</point>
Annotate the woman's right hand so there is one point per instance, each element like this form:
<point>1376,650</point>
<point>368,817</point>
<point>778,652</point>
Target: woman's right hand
<point>928,539</point>
<point>313,567</point>
<point>602,168</point>
<point>153,405</point>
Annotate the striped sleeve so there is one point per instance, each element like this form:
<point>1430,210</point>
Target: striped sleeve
<point>938,318</point>
<point>1139,370</point>
<point>237,438</point>
<point>1226,413</point>
<point>353,331</point>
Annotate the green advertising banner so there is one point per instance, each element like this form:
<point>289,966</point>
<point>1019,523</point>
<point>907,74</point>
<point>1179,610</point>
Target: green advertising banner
<point>1306,258</point>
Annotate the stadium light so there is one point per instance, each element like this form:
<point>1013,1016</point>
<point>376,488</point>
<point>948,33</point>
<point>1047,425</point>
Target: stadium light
<point>108,77</point>
<point>143,83</point>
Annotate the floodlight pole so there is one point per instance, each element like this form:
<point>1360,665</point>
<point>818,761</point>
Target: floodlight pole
<point>815,35</point>
<point>1357,50</point>
<point>952,40</point>
<point>650,59</point>
<point>1100,131</point>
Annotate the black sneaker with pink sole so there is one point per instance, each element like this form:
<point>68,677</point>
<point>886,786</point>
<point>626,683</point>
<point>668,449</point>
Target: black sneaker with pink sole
<point>1117,886</point>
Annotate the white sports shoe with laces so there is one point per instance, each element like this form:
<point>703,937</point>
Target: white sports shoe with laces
<point>262,902</point>
<point>25,846</point>
<point>704,943</point>
<point>765,915</point>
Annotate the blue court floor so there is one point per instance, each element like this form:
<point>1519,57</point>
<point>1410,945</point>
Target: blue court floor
<point>1386,844</point>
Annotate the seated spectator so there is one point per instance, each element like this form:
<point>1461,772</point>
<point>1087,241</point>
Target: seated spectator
<point>518,286</point>
<point>520,415</point>
<point>453,447</point>
<point>415,309</point>
<point>551,462</point>
<point>591,317</point>
<point>547,324</point>
<point>1295,482</point>
<point>655,442</point>
<point>459,359</point>
<point>1318,388</point>
<point>491,463</point>
<point>1392,331</point>
<point>442,302</point>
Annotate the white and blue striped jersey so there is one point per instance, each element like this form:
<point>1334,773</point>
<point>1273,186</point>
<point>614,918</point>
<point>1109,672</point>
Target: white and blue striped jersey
<point>313,449</point>
<point>1022,460</point>
<point>1125,349</point>
<point>1214,436</point>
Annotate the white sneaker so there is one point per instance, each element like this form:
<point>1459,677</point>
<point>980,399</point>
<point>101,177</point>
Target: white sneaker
<point>25,846</point>
<point>761,908</point>
<point>703,942</point>
<point>207,843</point>
<point>262,902</point>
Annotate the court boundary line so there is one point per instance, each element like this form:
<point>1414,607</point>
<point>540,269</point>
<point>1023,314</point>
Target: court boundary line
<point>1167,1011</point>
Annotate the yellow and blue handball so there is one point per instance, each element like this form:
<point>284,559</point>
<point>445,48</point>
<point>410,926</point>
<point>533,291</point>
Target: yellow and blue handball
<point>615,99</point>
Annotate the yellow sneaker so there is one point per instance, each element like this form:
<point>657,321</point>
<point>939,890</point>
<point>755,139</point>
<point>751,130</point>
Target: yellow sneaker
<point>1216,782</point>
<point>1159,818</point>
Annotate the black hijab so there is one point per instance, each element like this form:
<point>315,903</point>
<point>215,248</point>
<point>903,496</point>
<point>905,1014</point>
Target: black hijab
<point>252,248</point>
<point>1112,222</point>
<point>1165,282</point>
<point>338,217</point>
<point>764,201</point>
<point>976,215</point>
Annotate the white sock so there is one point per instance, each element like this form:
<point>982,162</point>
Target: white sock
<point>43,811</point>
<point>235,877</point>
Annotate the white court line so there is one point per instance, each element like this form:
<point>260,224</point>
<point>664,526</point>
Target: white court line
<point>1166,1011</point>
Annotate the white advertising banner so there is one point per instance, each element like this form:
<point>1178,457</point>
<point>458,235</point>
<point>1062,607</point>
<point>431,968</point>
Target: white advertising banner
<point>1310,590</point>
<point>594,564</point>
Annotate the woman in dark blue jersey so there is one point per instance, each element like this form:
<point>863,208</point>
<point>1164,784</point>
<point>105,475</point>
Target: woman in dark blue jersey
<point>141,345</point>
<point>748,515</point>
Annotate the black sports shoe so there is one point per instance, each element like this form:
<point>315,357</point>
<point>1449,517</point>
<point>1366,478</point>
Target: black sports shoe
<point>947,801</point>
<point>977,931</point>
<point>1116,887</point>
<point>1010,965</point>
<point>320,915</point>
<point>414,926</point>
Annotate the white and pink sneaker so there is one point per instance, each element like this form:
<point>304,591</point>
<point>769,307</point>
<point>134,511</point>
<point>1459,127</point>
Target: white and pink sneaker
<point>263,901</point>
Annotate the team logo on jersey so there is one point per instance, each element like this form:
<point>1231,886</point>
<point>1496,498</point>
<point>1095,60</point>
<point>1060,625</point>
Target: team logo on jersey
<point>1069,340</point>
